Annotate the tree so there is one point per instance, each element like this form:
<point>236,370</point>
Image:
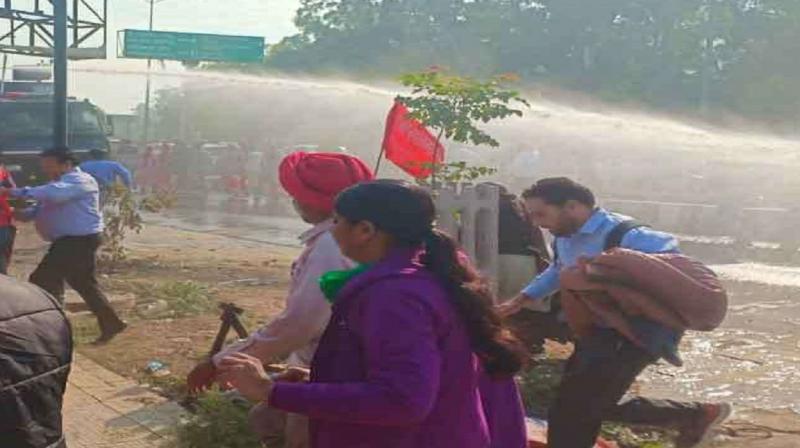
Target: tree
<point>453,106</point>
<point>672,54</point>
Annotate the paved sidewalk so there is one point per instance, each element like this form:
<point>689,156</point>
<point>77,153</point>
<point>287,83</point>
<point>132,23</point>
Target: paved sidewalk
<point>105,410</point>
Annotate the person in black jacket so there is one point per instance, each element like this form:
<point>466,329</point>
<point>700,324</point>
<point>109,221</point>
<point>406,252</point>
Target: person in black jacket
<point>522,247</point>
<point>35,357</point>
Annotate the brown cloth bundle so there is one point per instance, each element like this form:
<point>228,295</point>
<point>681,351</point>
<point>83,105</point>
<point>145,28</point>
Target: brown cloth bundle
<point>674,290</point>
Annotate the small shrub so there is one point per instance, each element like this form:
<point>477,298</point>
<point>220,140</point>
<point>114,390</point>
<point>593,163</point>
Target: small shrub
<point>187,298</point>
<point>218,422</point>
<point>121,215</point>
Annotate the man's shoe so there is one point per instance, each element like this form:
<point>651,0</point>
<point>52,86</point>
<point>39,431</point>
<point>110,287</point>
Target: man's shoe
<point>108,335</point>
<point>700,430</point>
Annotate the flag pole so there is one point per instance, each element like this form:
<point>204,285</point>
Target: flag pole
<point>385,133</point>
<point>380,159</point>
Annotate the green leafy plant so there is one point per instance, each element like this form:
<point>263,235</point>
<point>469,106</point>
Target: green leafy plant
<point>453,106</point>
<point>457,172</point>
<point>218,422</point>
<point>122,215</point>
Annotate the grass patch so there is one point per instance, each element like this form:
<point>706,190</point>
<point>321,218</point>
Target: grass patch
<point>172,299</point>
<point>217,422</point>
<point>636,437</point>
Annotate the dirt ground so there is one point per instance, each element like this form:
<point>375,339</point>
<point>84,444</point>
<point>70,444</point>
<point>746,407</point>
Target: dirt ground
<point>254,275</point>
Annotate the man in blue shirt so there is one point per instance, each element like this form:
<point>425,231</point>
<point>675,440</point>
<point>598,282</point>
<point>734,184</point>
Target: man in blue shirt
<point>67,214</point>
<point>605,365</point>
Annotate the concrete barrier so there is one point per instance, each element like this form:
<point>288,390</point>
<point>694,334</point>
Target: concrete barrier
<point>471,215</point>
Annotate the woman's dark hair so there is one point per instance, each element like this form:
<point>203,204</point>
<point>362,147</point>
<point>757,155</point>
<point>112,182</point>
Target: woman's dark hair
<point>559,190</point>
<point>407,213</point>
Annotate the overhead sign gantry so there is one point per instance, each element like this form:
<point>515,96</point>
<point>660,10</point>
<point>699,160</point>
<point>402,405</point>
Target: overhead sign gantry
<point>27,27</point>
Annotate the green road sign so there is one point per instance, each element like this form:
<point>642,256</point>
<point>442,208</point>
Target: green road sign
<point>139,44</point>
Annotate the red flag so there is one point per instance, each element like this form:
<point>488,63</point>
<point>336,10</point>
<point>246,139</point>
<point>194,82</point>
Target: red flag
<point>409,144</point>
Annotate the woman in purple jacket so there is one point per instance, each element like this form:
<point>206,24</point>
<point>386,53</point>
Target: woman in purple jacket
<point>400,364</point>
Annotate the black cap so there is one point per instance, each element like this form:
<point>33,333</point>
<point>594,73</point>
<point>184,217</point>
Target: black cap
<point>63,155</point>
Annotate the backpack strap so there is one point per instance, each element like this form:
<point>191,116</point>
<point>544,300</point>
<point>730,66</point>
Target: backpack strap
<point>617,234</point>
<point>614,238</point>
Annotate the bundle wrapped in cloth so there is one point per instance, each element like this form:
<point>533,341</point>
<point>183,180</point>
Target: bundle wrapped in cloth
<point>622,289</point>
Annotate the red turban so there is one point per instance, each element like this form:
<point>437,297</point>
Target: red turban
<point>315,179</point>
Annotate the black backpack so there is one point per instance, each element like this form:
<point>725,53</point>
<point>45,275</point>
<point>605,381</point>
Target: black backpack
<point>614,238</point>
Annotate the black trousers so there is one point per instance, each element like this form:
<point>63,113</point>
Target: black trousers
<point>73,260</point>
<point>596,378</point>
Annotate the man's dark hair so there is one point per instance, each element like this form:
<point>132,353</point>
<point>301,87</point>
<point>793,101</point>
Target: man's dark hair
<point>560,190</point>
<point>98,154</point>
<point>62,155</point>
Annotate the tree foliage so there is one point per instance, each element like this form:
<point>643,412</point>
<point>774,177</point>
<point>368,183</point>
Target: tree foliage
<point>682,54</point>
<point>452,105</point>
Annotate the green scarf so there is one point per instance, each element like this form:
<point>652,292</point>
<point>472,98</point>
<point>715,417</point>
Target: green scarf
<point>332,282</point>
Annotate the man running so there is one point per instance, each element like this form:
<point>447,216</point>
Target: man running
<point>605,365</point>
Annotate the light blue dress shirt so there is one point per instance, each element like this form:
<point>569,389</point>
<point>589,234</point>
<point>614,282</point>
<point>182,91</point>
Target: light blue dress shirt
<point>69,206</point>
<point>106,172</point>
<point>590,241</point>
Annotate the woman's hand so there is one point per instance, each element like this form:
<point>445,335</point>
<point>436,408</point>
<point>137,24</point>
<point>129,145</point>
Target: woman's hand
<point>245,374</point>
<point>201,377</point>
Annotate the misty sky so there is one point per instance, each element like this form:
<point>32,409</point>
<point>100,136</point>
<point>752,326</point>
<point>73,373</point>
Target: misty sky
<point>118,93</point>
